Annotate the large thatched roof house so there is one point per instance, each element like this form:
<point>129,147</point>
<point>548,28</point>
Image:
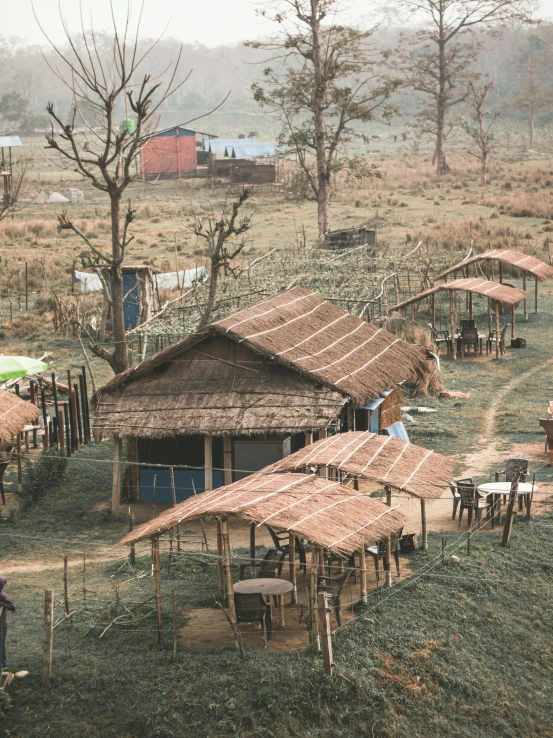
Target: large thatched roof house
<point>252,387</point>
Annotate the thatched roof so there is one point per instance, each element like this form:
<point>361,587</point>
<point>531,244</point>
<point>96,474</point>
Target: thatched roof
<point>310,336</point>
<point>384,459</point>
<point>15,414</point>
<point>500,292</point>
<point>216,388</point>
<point>529,264</point>
<point>325,513</point>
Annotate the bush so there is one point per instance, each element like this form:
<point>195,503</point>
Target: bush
<point>43,476</point>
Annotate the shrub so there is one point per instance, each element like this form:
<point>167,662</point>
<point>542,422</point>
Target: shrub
<point>42,477</point>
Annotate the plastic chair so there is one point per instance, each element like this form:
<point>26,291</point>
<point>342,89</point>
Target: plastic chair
<point>282,543</point>
<point>456,494</point>
<point>471,501</point>
<point>252,608</point>
<point>335,587</point>
<point>379,552</point>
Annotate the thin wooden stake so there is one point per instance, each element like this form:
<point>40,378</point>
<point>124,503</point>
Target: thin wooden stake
<point>444,540</point>
<point>48,636</point>
<point>174,624</point>
<point>314,639</point>
<point>513,493</point>
<point>220,566</point>
<point>363,573</point>
<point>132,555</point>
<point>324,629</point>
<point>65,588</point>
<point>423,525</point>
<point>292,561</point>
<point>157,575</point>
<point>228,569</point>
<point>116,486</point>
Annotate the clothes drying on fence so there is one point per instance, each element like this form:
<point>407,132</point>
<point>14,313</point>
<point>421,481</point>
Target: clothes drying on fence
<point>185,278</point>
<point>86,282</point>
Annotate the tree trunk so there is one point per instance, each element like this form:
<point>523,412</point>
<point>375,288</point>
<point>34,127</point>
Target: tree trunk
<point>441,163</point>
<point>483,170</point>
<point>213,283</point>
<point>318,117</point>
<point>531,126</point>
<point>120,360</point>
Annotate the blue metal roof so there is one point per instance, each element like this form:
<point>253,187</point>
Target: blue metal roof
<point>379,400</point>
<point>243,148</point>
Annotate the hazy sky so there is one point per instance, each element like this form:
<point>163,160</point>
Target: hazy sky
<point>210,22</point>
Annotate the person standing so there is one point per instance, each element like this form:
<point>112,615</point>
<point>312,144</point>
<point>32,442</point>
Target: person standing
<point>6,604</point>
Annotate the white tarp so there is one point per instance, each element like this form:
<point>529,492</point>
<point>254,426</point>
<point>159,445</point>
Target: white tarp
<point>86,282</point>
<point>183,279</point>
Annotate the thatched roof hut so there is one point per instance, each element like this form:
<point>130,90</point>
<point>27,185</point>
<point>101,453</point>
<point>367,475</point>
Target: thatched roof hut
<point>250,384</point>
<point>407,467</point>
<point>477,286</point>
<point>529,264</point>
<point>15,414</point>
<point>325,513</point>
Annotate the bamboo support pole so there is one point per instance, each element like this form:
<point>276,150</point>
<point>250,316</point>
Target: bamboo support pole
<point>292,561</point>
<point>227,459</point>
<point>433,310</point>
<point>388,556</point>
<point>496,329</point>
<point>157,575</point>
<point>525,301</point>
<point>314,640</point>
<point>228,570</point>
<point>513,318</point>
<point>19,459</point>
<point>65,586</point>
<point>252,543</point>
<point>174,623</point>
<point>363,574</point>
<point>513,493</point>
<point>132,555</point>
<point>324,629</point>
<point>116,488</point>
<point>220,566</point>
<point>48,636</point>
<point>423,526</point>
<point>536,294</point>
<point>452,326</point>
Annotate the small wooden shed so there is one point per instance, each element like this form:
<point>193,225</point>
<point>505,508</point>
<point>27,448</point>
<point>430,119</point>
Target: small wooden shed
<point>247,390</point>
<point>168,154</point>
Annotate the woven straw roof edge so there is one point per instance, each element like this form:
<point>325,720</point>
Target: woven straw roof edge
<point>508,256</point>
<point>15,414</point>
<point>501,292</point>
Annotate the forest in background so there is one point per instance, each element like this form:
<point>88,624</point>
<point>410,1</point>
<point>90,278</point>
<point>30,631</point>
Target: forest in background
<point>519,59</point>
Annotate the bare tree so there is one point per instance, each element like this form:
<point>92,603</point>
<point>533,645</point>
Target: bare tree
<point>438,64</point>
<point>480,124</point>
<point>532,96</point>
<point>329,77</point>
<point>224,238</point>
<point>107,84</point>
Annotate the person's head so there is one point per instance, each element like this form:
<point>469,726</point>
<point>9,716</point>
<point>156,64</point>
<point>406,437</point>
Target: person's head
<point>3,582</point>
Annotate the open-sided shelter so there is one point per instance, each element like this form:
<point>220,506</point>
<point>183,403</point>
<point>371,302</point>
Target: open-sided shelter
<point>326,514</point>
<point>495,292</point>
<point>529,266</point>
<point>247,389</point>
<point>390,461</point>
<point>15,414</point>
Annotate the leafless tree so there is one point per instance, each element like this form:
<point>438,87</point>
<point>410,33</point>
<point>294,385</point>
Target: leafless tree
<point>479,125</point>
<point>224,239</point>
<point>532,96</point>
<point>328,78</point>
<point>442,53</point>
<point>107,83</point>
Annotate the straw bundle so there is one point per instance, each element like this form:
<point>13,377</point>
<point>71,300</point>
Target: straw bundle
<point>529,264</point>
<point>384,459</point>
<point>494,290</point>
<point>325,513</point>
<point>15,414</point>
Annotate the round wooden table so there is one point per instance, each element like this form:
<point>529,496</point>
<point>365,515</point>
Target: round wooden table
<point>501,489</point>
<point>268,587</point>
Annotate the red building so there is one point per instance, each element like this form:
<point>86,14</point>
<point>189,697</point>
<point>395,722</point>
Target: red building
<point>169,154</point>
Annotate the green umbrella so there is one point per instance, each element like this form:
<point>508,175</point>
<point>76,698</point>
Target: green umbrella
<point>12,367</point>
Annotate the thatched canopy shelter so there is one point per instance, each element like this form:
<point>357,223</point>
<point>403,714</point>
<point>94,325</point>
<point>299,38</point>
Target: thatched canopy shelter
<point>291,364</point>
<point>528,265</point>
<point>15,414</point>
<point>497,294</point>
<point>390,461</point>
<point>325,513</point>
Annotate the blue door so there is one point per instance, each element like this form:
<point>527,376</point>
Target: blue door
<point>131,308</point>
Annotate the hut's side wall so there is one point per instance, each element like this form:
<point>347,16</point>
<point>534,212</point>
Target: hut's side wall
<point>168,156</point>
<point>390,410</point>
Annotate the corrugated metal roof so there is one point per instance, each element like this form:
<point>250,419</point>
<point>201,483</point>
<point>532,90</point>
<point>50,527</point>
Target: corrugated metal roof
<point>219,145</point>
<point>254,150</point>
<point>7,142</point>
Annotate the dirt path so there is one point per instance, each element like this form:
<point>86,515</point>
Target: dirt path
<point>487,454</point>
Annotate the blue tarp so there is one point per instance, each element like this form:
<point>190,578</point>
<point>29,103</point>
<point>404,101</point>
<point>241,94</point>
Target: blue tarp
<point>183,483</point>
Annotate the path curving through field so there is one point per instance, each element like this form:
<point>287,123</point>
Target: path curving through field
<point>478,462</point>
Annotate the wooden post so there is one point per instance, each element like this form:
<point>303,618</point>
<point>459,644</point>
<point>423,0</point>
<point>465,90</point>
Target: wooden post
<point>363,573</point>
<point>489,318</point>
<point>292,561</point>
<point>220,567</point>
<point>309,435</point>
<point>388,557</point>
<point>525,301</point>
<point>452,326</point>
<point>174,624</point>
<point>324,629</point>
<point>512,322</point>
<point>26,287</point>
<point>173,490</point>
<point>444,540</point>
<point>314,640</point>
<point>77,410</point>
<point>67,424</point>
<point>227,459</point>
<point>500,272</point>
<point>48,636</point>
<point>132,554</point>
<point>423,525</point>
<point>433,309</point>
<point>157,575</point>
<point>497,329</point>
<point>61,430</point>
<point>19,459</point>
<point>228,569</point>
<point>511,508</point>
<point>536,294</point>
<point>413,316</point>
<point>208,463</point>
<point>116,488</point>
<point>470,304</point>
<point>86,407</point>
<point>65,587</point>
<point>252,543</point>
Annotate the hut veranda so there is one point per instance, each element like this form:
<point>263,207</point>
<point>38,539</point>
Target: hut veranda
<point>249,389</point>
